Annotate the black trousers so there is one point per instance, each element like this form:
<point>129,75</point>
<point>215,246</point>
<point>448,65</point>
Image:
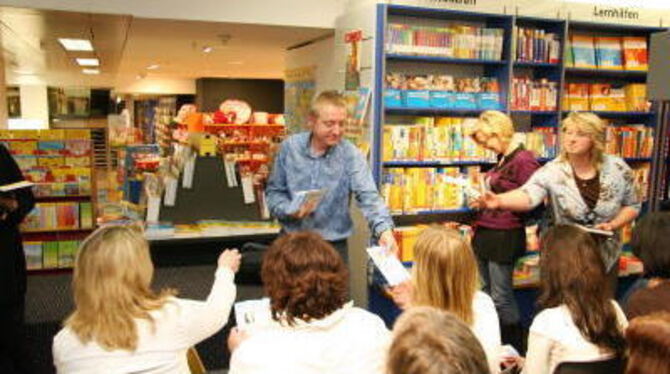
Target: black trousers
<point>14,357</point>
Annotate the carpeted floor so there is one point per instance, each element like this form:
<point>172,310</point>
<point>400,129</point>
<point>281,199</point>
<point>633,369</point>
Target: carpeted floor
<point>49,301</point>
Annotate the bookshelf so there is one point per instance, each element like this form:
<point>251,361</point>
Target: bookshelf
<point>60,163</point>
<point>531,65</point>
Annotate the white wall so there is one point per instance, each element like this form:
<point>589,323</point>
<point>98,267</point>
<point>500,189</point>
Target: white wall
<point>307,13</point>
<point>321,55</point>
<point>130,84</point>
<point>34,105</point>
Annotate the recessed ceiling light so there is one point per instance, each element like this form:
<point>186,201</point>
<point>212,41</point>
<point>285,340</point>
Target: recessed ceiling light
<point>88,62</point>
<point>153,67</point>
<point>76,44</point>
<point>91,71</point>
<point>207,49</point>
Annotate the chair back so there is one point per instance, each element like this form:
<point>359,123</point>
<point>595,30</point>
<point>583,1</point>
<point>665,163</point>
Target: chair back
<point>610,366</point>
<point>194,362</point>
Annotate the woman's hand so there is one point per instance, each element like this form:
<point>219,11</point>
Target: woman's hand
<point>607,226</point>
<point>235,338</point>
<point>488,200</point>
<point>387,240</point>
<point>402,295</point>
<point>230,258</point>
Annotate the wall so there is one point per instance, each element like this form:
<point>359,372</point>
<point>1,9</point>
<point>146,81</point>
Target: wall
<point>131,84</point>
<point>307,13</point>
<point>34,105</point>
<point>264,95</point>
<point>320,54</point>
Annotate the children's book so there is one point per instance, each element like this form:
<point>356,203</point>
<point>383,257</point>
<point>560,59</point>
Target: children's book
<point>15,186</point>
<point>389,265</point>
<point>593,230</point>
<point>583,52</point>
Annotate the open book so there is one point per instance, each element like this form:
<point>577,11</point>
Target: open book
<point>15,186</point>
<point>305,197</point>
<point>592,230</point>
<point>389,265</point>
<point>471,191</point>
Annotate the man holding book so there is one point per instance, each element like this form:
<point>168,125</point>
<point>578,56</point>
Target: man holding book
<point>322,171</point>
<point>14,206</point>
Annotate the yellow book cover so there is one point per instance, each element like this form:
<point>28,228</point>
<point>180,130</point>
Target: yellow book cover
<point>25,134</point>
<point>387,143</point>
<point>52,134</point>
<point>77,134</point>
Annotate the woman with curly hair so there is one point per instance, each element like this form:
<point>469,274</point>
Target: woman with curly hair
<point>313,329</point>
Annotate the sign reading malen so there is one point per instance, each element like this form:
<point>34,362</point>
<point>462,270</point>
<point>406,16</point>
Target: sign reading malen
<point>616,13</point>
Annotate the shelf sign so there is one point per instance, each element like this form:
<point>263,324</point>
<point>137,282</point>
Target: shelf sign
<point>490,6</point>
<point>613,13</point>
<point>539,8</point>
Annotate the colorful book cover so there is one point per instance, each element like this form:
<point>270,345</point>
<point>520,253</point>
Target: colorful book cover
<point>583,51</point>
<point>50,255</point>
<point>608,52</point>
<point>635,54</point>
<point>85,215</point>
<point>33,251</point>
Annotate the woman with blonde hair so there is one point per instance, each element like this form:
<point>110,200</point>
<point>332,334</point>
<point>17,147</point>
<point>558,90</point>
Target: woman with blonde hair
<point>500,236</point>
<point>445,276</point>
<point>120,324</point>
<point>585,186</point>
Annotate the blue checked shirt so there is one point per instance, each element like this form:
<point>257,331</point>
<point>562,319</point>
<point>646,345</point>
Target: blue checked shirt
<point>341,171</point>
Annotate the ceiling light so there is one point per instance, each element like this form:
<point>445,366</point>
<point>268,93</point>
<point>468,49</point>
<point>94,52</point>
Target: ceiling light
<point>76,44</point>
<point>88,62</point>
<point>91,71</point>
<point>207,49</point>
<point>153,67</point>
<point>235,62</point>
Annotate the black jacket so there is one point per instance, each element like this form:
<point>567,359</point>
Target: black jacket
<point>12,260</point>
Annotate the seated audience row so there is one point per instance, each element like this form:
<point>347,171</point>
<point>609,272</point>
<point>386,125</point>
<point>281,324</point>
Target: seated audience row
<point>121,325</point>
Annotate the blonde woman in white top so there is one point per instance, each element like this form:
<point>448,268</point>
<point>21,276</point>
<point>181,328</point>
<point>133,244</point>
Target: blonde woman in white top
<point>120,325</point>
<point>580,322</point>
<point>445,276</point>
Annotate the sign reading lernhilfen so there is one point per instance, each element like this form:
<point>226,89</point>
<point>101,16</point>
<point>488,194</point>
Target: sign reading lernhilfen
<point>619,12</point>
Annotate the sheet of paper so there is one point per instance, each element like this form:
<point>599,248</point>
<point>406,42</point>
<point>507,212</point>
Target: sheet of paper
<point>248,189</point>
<point>171,185</point>
<point>153,208</point>
<point>389,265</point>
<point>189,171</point>
<point>306,197</point>
<point>595,231</point>
<point>252,313</point>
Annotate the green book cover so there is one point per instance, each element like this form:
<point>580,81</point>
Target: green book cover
<point>50,255</point>
<point>66,250</point>
<point>85,215</point>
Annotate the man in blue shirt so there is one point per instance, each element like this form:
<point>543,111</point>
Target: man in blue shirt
<point>321,159</point>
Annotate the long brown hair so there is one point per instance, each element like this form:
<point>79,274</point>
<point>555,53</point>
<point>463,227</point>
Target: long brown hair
<point>112,287</point>
<point>649,344</point>
<point>572,273</point>
<point>445,272</point>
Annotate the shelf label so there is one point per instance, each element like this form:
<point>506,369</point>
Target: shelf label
<point>538,8</point>
<point>618,13</point>
<point>491,6</point>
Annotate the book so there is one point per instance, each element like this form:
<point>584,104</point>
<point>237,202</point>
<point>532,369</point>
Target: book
<point>593,230</point>
<point>15,186</point>
<point>389,265</point>
<point>608,52</point>
<point>635,53</point>
<point>252,313</point>
<point>583,51</point>
<point>305,197</point>
<point>33,251</point>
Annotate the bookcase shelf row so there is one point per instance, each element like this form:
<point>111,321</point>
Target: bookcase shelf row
<point>447,60</point>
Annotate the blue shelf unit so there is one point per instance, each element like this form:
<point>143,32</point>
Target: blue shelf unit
<point>458,67</point>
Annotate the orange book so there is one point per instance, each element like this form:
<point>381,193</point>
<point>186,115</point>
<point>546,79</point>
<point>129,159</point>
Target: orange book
<point>635,55</point>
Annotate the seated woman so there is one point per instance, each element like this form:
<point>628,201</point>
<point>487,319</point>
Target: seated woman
<point>120,325</point>
<point>649,245</point>
<point>648,339</point>
<point>580,322</point>
<point>445,276</point>
<point>313,328</point>
<point>427,340</point>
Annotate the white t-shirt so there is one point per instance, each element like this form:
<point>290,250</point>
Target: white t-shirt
<point>487,328</point>
<point>162,347</point>
<point>349,340</point>
<point>555,338</point>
